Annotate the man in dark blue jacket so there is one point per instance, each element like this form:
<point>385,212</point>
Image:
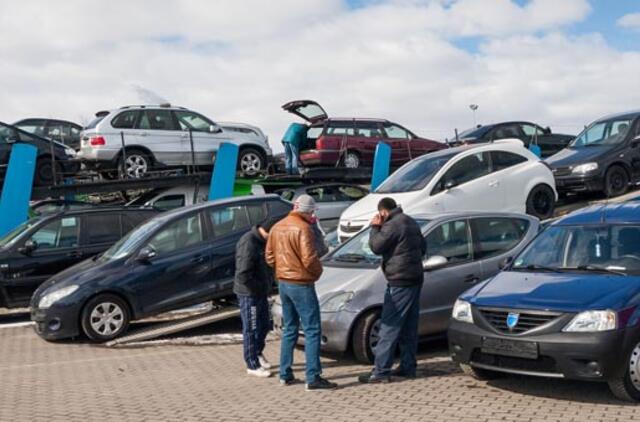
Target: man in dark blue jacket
<point>252,284</point>
<point>398,238</point>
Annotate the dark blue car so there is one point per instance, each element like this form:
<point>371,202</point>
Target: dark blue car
<point>179,258</point>
<point>566,307</point>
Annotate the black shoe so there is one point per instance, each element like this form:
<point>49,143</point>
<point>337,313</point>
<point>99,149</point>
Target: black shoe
<point>401,373</point>
<point>374,379</point>
<point>321,384</point>
<point>287,382</point>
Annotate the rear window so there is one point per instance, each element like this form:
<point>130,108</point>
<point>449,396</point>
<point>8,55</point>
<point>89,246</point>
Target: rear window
<point>92,124</point>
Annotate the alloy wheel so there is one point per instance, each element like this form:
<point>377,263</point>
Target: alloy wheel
<point>542,202</point>
<point>374,334</point>
<point>352,161</point>
<point>634,367</point>
<point>250,163</point>
<point>136,165</point>
<point>107,318</point>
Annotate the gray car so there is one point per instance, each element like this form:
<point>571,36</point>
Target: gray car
<point>462,250</point>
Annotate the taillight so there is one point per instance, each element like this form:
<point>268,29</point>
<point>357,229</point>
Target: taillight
<point>97,141</point>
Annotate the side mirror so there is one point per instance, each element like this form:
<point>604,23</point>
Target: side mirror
<point>11,141</point>
<point>215,129</point>
<point>28,247</point>
<point>635,141</point>
<point>146,254</point>
<point>434,262</point>
<point>505,262</point>
<point>450,184</point>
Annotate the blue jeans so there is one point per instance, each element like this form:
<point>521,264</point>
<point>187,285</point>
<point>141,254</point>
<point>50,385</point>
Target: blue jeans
<point>291,157</point>
<point>300,304</point>
<point>398,328</point>
<point>256,323</point>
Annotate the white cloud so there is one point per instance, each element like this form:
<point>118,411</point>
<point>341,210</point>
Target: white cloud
<point>242,60</point>
<point>630,21</point>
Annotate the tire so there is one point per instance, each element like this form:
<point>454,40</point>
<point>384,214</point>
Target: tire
<point>351,160</point>
<point>627,388</point>
<point>541,202</point>
<point>251,161</point>
<point>364,337</point>
<point>104,329</point>
<point>138,164</point>
<point>44,172</point>
<point>479,373</point>
<point>616,181</point>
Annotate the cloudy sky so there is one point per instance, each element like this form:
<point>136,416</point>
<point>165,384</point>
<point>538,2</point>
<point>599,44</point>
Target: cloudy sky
<point>418,62</point>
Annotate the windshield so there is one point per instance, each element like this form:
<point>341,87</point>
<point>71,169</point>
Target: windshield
<point>602,248</point>
<point>129,243</point>
<point>606,132</point>
<point>10,238</point>
<point>414,175</point>
<point>476,132</point>
<point>357,248</point>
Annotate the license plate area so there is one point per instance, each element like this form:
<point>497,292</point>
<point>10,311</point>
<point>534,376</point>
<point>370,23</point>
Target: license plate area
<point>513,348</point>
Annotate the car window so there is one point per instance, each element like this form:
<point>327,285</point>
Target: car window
<point>61,233</point>
<point>180,234</point>
<point>287,194</point>
<point>228,220</point>
<point>497,235</point>
<point>351,193</point>
<point>169,202</point>
<point>92,124</point>
<point>414,175</point>
<point>531,130</point>
<point>452,241</point>
<point>279,208</point>
<point>102,228</point>
<point>605,132</point>
<point>504,132</point>
<point>339,128</point>
<point>194,121</point>
<point>257,213</point>
<point>132,219</point>
<point>32,126</point>
<point>323,194</point>
<point>368,130</point>
<point>314,132</point>
<point>396,132</point>
<point>157,120</point>
<point>503,159</point>
<point>125,120</point>
<point>466,170</point>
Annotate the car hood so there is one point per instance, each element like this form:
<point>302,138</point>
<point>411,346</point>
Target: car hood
<point>84,273</point>
<point>574,156</point>
<point>347,279</point>
<point>367,207</point>
<point>567,292</point>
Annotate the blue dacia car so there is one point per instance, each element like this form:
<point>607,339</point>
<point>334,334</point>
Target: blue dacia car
<point>566,307</point>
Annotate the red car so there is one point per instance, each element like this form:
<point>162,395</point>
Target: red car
<point>351,142</point>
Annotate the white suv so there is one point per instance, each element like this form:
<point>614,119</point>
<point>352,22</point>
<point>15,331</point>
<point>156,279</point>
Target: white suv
<point>157,137</point>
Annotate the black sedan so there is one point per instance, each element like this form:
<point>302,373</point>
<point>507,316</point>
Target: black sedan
<point>527,132</point>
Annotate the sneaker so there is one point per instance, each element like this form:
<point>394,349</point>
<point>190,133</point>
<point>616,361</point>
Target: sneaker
<point>401,373</point>
<point>288,382</point>
<point>260,372</point>
<point>321,384</point>
<point>374,379</point>
<point>263,361</point>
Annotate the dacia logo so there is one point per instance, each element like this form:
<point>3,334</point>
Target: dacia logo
<point>512,320</point>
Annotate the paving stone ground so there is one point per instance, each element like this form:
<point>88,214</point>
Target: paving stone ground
<point>42,381</point>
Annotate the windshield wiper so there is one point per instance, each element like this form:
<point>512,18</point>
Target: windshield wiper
<point>535,267</point>
<point>596,269</point>
<point>350,257</point>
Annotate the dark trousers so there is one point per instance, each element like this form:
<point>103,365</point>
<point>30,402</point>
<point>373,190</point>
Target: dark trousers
<point>256,323</point>
<point>398,329</point>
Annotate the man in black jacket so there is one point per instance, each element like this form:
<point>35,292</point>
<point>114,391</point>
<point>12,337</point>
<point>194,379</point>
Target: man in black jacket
<point>398,238</point>
<point>252,284</point>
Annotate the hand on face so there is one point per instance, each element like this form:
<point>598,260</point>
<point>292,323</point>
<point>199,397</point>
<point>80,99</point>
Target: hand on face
<point>377,220</point>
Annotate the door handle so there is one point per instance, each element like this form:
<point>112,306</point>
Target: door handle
<point>471,278</point>
<point>494,183</point>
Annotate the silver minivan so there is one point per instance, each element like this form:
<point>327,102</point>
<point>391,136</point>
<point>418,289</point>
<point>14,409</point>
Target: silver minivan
<point>462,250</point>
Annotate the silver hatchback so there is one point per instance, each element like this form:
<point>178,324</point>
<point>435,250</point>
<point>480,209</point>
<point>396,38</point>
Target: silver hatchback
<point>462,250</point>
<point>157,137</point>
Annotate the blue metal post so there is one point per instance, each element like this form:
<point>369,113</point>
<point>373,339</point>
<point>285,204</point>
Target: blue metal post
<point>16,191</point>
<point>381,164</point>
<point>223,177</point>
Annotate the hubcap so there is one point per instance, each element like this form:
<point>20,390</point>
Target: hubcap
<point>634,367</point>
<point>136,165</point>
<point>617,182</point>
<point>541,203</point>
<point>351,161</point>
<point>250,163</point>
<point>107,318</point>
<point>374,335</point>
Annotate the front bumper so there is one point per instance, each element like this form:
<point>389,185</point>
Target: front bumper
<point>335,328</point>
<point>586,183</point>
<point>581,356</point>
<point>57,322</point>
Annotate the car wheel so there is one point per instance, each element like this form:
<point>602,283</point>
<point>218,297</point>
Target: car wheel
<point>351,160</point>
<point>251,161</point>
<point>365,337</point>
<point>136,164</point>
<point>541,202</point>
<point>616,181</point>
<point>627,388</point>
<point>105,317</point>
<point>44,172</point>
<point>479,373</point>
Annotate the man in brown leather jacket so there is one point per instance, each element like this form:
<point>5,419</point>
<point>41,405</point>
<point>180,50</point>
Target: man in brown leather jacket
<point>291,251</point>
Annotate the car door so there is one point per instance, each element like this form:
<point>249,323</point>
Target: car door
<point>400,141</point>
<point>56,248</point>
<point>453,241</point>
<point>367,136</point>
<point>172,278</point>
<point>100,230</point>
<point>162,136</point>
<point>469,185</point>
<point>206,135</point>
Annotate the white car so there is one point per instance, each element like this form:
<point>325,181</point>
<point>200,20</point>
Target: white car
<point>156,137</point>
<point>500,176</point>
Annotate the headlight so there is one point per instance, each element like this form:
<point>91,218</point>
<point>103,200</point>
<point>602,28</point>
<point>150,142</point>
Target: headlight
<point>51,298</point>
<point>462,311</point>
<point>336,303</point>
<point>70,152</point>
<point>592,321</point>
<point>585,168</point>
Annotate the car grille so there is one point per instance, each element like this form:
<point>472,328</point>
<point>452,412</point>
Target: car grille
<point>528,320</point>
<point>350,229</point>
<point>541,364</point>
<point>562,171</point>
